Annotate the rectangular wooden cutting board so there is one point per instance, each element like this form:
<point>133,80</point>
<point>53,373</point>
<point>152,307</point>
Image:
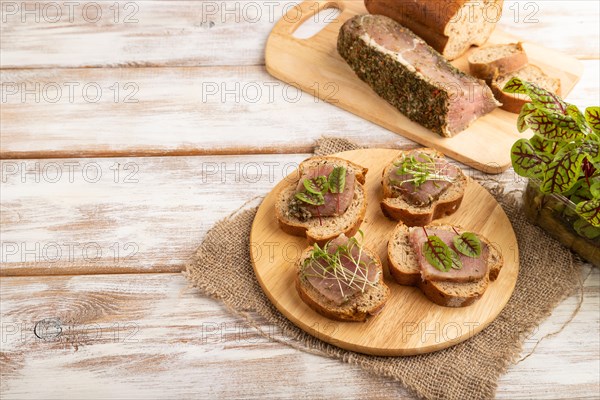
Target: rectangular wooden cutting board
<point>315,66</point>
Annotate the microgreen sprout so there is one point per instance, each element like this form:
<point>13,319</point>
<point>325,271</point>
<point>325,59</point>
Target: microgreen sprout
<point>420,169</point>
<point>342,263</point>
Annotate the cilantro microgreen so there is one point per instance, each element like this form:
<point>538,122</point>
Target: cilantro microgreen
<point>327,262</point>
<point>420,169</point>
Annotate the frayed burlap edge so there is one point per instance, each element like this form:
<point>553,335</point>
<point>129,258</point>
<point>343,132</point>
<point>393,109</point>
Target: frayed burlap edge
<point>223,270</point>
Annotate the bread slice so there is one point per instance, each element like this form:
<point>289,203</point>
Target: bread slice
<point>394,206</point>
<point>489,62</point>
<point>404,268</point>
<point>514,102</point>
<point>327,228</point>
<point>358,308</point>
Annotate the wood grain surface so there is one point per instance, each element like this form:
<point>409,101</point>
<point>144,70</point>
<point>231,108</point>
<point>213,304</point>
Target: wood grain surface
<point>315,63</point>
<point>145,334</point>
<point>199,33</point>
<point>91,216</point>
<point>140,335</point>
<point>385,334</point>
<point>190,126</point>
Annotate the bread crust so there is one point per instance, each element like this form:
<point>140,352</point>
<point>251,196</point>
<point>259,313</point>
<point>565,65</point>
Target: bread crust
<point>501,66</point>
<point>428,19</point>
<point>402,277</point>
<point>438,291</point>
<point>302,228</point>
<point>330,310</point>
<point>439,297</point>
<point>514,102</point>
<point>447,204</point>
<point>440,210</point>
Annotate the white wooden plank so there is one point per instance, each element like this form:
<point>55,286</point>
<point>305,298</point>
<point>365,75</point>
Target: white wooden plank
<point>136,33</point>
<point>91,216</point>
<point>181,111</point>
<point>74,216</point>
<point>71,216</point>
<point>226,32</point>
<point>140,336</point>
<point>547,22</point>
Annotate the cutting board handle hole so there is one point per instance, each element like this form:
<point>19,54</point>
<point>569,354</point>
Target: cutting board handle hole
<point>317,20</point>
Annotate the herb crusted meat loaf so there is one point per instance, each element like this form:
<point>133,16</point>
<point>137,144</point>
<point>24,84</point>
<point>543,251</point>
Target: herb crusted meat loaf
<point>412,76</point>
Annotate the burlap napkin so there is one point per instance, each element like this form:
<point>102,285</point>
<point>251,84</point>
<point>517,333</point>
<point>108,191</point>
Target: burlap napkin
<point>222,269</point>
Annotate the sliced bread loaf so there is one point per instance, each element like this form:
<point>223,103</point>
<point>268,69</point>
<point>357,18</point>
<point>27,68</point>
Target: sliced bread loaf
<point>514,102</point>
<point>404,267</point>
<point>491,61</point>
<point>357,308</point>
<point>320,230</point>
<point>395,206</point>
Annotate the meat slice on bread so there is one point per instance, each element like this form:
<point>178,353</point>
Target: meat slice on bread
<point>338,213</point>
<point>406,267</point>
<point>435,189</point>
<point>342,280</point>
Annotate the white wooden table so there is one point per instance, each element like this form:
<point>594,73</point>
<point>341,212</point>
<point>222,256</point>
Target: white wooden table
<point>128,129</point>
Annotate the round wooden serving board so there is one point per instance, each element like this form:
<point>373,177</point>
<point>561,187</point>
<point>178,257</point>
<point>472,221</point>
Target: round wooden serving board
<point>409,323</point>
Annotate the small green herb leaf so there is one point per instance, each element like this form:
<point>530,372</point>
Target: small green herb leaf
<point>541,125</point>
<point>562,172</point>
<point>337,180</point>
<point>342,263</point>
<point>579,119</point>
<point>591,148</point>
<point>316,185</point>
<point>311,198</point>
<point>583,228</point>
<point>592,116</point>
<point>438,254</point>
<point>545,99</point>
<point>528,109</point>
<point>595,188</point>
<point>590,210</point>
<point>541,145</point>
<point>420,169</point>
<point>456,263</point>
<point>468,244</point>
<point>515,85</point>
<point>551,126</point>
<point>526,160</point>
<point>579,192</point>
<point>540,97</point>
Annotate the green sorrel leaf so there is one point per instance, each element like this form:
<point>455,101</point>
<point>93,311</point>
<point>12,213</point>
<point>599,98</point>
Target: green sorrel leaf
<point>526,160</point>
<point>590,210</point>
<point>438,254</point>
<point>592,116</point>
<point>316,185</point>
<point>563,171</point>
<point>311,198</point>
<point>337,180</point>
<point>468,244</point>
